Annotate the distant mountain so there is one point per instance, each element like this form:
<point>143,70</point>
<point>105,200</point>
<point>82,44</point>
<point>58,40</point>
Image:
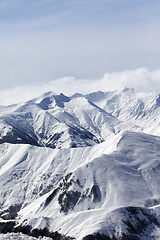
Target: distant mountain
<point>58,121</point>
<point>83,167</point>
<point>138,108</point>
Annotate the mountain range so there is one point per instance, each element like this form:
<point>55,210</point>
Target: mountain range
<point>81,167</point>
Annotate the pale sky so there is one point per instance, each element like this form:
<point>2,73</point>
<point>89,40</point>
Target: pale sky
<point>42,40</point>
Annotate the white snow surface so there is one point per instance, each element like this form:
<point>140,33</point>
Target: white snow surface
<point>20,236</point>
<point>101,172</point>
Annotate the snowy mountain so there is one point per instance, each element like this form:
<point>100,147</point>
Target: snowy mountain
<point>81,167</point>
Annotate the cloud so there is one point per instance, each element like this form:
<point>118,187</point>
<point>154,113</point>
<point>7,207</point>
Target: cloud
<point>141,79</point>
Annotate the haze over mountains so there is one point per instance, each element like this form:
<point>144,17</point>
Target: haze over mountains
<point>83,166</point>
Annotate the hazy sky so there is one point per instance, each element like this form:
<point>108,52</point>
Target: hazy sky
<point>42,40</point>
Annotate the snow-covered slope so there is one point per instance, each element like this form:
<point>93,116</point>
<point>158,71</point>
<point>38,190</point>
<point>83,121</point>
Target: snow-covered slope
<point>81,166</point>
<point>138,108</point>
<point>57,121</point>
<point>20,236</point>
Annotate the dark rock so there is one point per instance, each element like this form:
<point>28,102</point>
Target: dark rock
<point>96,193</point>
<point>67,200</point>
<point>11,212</point>
<point>51,196</point>
<point>6,227</point>
<point>98,236</point>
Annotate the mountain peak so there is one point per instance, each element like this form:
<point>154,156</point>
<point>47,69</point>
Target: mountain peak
<point>54,100</point>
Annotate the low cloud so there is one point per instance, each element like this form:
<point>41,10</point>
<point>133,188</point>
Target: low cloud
<point>141,79</point>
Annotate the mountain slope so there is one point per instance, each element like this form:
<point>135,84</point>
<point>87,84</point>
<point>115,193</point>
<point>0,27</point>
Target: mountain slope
<point>57,121</point>
<point>137,108</point>
<point>82,166</point>
<point>66,193</point>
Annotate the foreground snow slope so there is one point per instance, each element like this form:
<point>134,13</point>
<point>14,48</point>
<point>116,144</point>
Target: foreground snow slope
<point>20,236</point>
<point>86,190</point>
<point>82,165</point>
